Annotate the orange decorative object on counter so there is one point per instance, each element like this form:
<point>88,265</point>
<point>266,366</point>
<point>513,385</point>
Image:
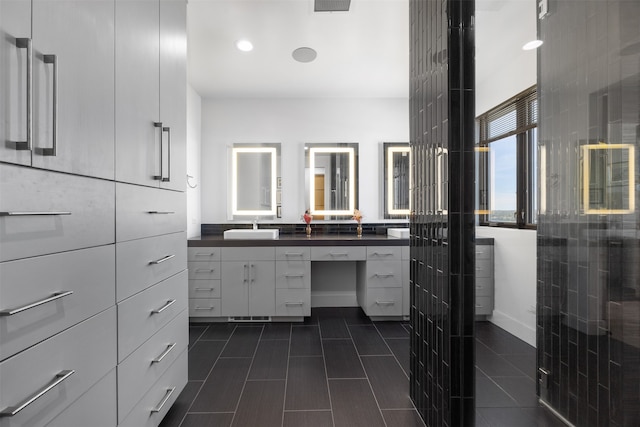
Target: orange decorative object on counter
<point>307,218</point>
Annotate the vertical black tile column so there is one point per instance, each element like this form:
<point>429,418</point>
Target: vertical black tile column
<point>588,327</point>
<point>442,225</point>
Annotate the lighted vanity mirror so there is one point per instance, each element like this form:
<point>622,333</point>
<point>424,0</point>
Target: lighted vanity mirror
<point>254,173</point>
<point>397,179</point>
<point>332,179</point>
<point>608,179</point>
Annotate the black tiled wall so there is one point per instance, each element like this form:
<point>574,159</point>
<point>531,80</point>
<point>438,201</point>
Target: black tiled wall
<point>442,225</point>
<point>588,327</point>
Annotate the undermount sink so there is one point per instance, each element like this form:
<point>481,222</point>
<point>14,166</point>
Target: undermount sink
<point>402,233</point>
<point>249,234</point>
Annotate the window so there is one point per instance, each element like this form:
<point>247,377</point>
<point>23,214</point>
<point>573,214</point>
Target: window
<point>506,152</point>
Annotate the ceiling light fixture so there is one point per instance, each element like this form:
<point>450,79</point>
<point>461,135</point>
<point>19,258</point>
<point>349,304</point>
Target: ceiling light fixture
<point>244,45</point>
<point>304,54</point>
<point>534,44</point>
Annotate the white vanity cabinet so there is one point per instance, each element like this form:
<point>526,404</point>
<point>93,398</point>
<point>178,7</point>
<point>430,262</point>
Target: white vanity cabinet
<point>293,281</point>
<point>204,281</point>
<point>380,282</point>
<point>248,285</point>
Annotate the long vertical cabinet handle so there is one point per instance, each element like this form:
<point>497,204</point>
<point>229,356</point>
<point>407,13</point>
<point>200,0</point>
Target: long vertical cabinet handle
<point>159,125</point>
<point>53,60</point>
<point>168,131</point>
<point>25,43</point>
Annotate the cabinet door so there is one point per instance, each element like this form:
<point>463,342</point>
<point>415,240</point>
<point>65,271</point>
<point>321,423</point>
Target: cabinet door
<point>234,292</point>
<point>15,23</point>
<point>137,91</point>
<point>74,93</point>
<point>262,288</point>
<point>173,92</point>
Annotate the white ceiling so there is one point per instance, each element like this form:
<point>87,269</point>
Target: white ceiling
<point>361,53</point>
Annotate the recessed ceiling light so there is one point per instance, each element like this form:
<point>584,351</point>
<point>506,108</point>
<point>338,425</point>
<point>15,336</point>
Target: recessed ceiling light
<point>534,44</point>
<point>244,45</point>
<point>304,54</point>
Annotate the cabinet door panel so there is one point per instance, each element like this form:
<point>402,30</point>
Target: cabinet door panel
<point>15,22</point>
<point>262,288</point>
<point>234,292</point>
<point>173,91</point>
<point>80,34</point>
<point>137,91</point>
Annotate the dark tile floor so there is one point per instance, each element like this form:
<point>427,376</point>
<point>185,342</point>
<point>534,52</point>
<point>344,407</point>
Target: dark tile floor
<point>338,369</point>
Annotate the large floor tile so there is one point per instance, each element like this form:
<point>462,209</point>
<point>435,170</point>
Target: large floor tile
<point>307,384</point>
<point>243,342</point>
<point>221,392</point>
<point>390,384</point>
<point>202,356</point>
<point>341,359</point>
<point>368,341</point>
<point>305,341</point>
<point>270,361</point>
<point>260,404</point>
<point>402,418</point>
<point>354,405</point>
<point>208,420</point>
<point>308,419</point>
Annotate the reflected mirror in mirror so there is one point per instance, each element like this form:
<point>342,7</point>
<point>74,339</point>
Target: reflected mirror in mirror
<point>253,179</point>
<point>332,174</point>
<point>397,177</point>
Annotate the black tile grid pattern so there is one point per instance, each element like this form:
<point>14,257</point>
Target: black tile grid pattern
<point>339,369</point>
<point>442,120</point>
<point>588,318</point>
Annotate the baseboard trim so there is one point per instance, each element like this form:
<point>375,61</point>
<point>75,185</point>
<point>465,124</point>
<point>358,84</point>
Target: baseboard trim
<point>514,327</point>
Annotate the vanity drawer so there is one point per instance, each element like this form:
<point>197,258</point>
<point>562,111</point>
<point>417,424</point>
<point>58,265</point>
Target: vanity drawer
<point>338,253</point>
<point>145,313</point>
<point>484,305</point>
<point>144,262</point>
<point>484,251</point>
<point>84,281</point>
<point>384,253</point>
<point>204,288</point>
<point>204,270</point>
<point>384,302</point>
<point>204,307</point>
<point>293,274</point>
<point>138,372</point>
<point>154,405</point>
<point>95,408</point>
<point>76,359</point>
<point>384,274</point>
<point>484,287</point>
<point>293,253</point>
<point>293,302</point>
<point>249,253</point>
<point>47,212</point>
<point>146,211</point>
<point>204,254</point>
<point>484,268</point>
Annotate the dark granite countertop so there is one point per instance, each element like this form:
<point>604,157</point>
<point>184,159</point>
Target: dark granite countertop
<point>297,240</point>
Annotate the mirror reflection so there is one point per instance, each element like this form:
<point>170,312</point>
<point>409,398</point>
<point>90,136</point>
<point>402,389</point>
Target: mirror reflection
<point>331,179</point>
<point>254,174</point>
<point>397,177</point>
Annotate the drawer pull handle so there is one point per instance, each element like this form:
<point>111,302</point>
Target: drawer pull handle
<point>205,270</point>
<point>164,307</point>
<point>293,254</point>
<point>205,254</point>
<point>339,254</point>
<point>54,297</point>
<point>161,212</point>
<point>161,260</point>
<point>204,289</point>
<point>385,302</point>
<point>289,304</point>
<point>164,353</point>
<point>479,306</point>
<point>33,213</point>
<point>288,275</point>
<point>383,275</point>
<point>10,411</point>
<point>164,400</point>
<point>205,308</point>
<point>382,254</point>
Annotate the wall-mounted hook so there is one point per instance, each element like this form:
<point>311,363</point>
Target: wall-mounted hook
<point>189,183</point>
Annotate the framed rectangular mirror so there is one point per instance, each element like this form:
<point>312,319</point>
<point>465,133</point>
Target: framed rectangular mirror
<point>254,173</point>
<point>332,179</point>
<point>397,179</point>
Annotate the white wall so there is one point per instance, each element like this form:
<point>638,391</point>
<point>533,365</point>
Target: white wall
<point>293,122</point>
<point>515,280</point>
<point>194,113</point>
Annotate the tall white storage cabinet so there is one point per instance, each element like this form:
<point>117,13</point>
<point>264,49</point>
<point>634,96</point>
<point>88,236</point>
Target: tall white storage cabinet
<point>93,280</point>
